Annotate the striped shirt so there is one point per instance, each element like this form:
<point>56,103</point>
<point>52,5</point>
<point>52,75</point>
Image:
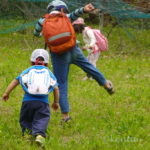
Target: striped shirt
<point>73,16</point>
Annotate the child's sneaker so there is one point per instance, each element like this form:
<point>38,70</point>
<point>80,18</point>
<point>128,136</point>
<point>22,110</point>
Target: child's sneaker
<point>109,87</point>
<point>40,140</point>
<point>27,137</point>
<point>85,78</point>
<point>65,120</point>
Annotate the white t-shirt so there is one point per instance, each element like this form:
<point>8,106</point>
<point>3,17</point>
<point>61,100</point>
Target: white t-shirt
<point>89,39</point>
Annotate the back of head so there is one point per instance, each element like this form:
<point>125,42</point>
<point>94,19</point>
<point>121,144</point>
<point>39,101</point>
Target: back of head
<point>79,21</point>
<point>58,5</point>
<point>39,57</point>
<point>79,25</point>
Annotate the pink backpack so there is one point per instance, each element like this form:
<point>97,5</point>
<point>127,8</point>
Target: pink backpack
<point>102,41</point>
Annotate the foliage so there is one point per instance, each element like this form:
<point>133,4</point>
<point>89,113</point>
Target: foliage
<point>99,121</point>
<point>26,13</point>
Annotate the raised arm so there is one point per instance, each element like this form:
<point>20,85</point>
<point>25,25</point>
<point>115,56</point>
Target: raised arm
<point>78,12</point>
<point>38,27</point>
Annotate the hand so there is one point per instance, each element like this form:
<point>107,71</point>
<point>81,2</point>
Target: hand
<point>88,8</point>
<point>83,48</point>
<point>90,47</point>
<point>55,106</point>
<point>5,97</point>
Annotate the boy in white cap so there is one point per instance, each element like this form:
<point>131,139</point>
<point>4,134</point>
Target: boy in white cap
<point>37,82</point>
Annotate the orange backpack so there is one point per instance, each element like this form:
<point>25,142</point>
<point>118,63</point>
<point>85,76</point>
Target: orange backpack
<point>58,33</point>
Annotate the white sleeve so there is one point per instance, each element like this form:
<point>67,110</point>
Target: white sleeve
<point>91,37</point>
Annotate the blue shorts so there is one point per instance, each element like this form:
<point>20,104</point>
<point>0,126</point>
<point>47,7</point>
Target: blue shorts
<point>34,116</point>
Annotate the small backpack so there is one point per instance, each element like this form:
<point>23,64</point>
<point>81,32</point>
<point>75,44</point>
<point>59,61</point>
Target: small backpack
<point>102,41</point>
<point>37,81</point>
<point>58,33</point>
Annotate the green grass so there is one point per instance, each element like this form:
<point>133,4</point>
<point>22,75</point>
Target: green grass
<point>100,121</point>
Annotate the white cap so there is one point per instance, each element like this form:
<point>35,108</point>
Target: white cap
<point>40,53</point>
<point>56,3</point>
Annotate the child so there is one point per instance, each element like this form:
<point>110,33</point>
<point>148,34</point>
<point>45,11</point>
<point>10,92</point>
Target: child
<point>35,112</point>
<point>61,62</point>
<point>89,40</point>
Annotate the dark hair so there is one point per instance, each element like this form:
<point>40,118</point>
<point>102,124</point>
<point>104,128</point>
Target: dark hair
<point>58,8</point>
<point>39,61</point>
<point>79,28</point>
<point>49,9</point>
<point>62,8</point>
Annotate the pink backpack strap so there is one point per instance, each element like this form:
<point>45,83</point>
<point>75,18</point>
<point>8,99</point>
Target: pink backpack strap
<point>102,41</point>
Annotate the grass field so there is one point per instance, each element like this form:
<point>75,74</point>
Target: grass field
<point>99,121</point>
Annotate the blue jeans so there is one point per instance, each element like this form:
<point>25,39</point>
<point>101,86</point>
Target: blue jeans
<point>61,65</point>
